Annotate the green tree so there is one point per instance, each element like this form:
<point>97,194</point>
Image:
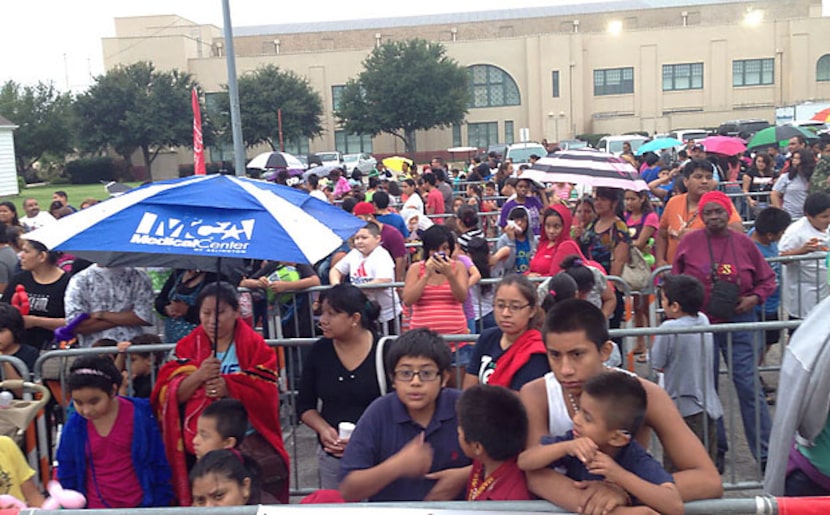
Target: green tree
<point>266,90</point>
<point>405,86</point>
<point>43,116</point>
<point>137,107</point>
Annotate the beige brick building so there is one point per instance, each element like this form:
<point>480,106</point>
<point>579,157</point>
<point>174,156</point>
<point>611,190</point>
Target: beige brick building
<point>558,71</point>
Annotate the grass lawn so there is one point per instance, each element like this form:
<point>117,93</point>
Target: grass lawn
<point>76,193</point>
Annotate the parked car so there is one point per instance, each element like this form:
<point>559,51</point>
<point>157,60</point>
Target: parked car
<point>811,125</point>
<point>614,144</point>
<point>688,134</point>
<point>363,162</point>
<point>572,144</point>
<point>519,153</point>
<point>742,128</point>
<point>330,157</point>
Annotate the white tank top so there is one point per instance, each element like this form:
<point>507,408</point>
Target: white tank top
<point>559,421</point>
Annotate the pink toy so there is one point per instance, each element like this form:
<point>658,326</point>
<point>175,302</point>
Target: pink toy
<point>58,498</point>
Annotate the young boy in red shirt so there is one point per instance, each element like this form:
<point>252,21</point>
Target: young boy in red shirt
<point>492,431</point>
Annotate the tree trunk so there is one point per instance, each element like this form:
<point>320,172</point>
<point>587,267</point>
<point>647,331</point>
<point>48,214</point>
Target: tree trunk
<point>409,140</point>
<point>148,161</point>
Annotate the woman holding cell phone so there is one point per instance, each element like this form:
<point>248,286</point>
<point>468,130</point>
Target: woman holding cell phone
<point>436,289</point>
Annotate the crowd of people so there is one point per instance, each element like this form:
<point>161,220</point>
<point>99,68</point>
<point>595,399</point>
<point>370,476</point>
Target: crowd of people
<point>519,403</point>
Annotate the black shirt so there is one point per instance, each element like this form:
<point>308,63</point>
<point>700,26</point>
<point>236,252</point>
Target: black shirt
<point>45,300</point>
<point>345,394</point>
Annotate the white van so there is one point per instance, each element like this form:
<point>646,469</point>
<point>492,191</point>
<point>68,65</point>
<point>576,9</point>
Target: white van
<point>614,144</point>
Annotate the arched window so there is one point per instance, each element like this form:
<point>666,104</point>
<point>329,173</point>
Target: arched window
<point>491,86</point>
<point>823,68</point>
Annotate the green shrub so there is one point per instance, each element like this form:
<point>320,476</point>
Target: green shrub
<point>60,180</point>
<point>90,171</point>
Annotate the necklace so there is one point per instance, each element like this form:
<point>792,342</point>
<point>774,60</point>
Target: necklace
<point>574,405</point>
<point>477,486</point>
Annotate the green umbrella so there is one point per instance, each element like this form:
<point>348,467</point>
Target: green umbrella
<point>778,135</point>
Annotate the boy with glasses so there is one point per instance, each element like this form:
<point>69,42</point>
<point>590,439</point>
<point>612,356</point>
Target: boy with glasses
<point>405,446</point>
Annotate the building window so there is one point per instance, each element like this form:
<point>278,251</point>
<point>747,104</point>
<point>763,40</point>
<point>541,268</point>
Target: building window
<point>823,68</point>
<point>336,93</point>
<point>508,132</point>
<point>613,81</point>
<point>482,134</point>
<point>677,77</point>
<point>491,86</point>
<point>753,72</point>
<point>456,135</point>
<point>352,143</point>
<point>554,76</point>
<point>297,146</point>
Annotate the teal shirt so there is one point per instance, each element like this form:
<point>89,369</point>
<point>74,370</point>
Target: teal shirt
<point>819,453</point>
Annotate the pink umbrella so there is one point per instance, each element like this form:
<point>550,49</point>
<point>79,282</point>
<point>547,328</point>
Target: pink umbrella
<point>724,145</point>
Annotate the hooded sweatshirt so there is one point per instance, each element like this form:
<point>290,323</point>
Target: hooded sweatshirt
<point>547,258</point>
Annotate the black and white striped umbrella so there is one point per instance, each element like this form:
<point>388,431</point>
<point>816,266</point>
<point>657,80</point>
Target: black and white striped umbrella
<point>586,166</point>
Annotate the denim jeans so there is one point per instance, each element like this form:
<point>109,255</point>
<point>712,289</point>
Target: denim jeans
<point>742,361</point>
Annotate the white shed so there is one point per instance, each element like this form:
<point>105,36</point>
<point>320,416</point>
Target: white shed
<point>8,169</point>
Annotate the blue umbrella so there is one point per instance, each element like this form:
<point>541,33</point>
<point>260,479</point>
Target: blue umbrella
<point>656,145</point>
<point>194,221</point>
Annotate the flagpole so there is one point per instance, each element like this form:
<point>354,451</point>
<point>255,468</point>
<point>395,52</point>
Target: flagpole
<point>233,93</point>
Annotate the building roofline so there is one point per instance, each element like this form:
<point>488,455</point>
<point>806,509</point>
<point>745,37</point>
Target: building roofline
<point>574,9</point>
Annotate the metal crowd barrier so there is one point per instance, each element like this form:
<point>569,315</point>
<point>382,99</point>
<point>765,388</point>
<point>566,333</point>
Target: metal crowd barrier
<point>291,368</point>
<point>36,441</point>
<point>732,481</point>
<point>758,505</point>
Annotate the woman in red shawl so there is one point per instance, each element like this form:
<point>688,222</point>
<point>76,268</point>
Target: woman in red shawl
<point>555,242</point>
<point>512,353</point>
<point>222,357</point>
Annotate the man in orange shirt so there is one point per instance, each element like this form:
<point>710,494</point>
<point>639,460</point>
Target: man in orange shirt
<point>681,213</point>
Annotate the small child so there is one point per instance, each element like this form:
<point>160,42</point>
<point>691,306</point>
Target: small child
<point>492,431</point>
<point>111,449</point>
<point>140,370</point>
<point>806,280</point>
<point>687,359</point>
<point>222,425</point>
<point>770,225</point>
<point>12,336</point>
<point>224,478</point>
<point>17,474</point>
<point>406,435</point>
<point>611,409</point>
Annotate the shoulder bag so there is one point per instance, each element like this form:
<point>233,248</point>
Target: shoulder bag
<point>723,299</point>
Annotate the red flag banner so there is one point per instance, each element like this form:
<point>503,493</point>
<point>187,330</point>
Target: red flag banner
<point>198,146</point>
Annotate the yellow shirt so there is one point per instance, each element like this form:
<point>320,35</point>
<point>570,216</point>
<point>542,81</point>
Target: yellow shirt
<point>14,470</point>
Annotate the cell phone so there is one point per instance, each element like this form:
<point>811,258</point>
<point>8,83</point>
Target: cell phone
<point>442,255</point>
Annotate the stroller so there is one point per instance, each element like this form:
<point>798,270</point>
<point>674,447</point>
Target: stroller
<point>16,418</point>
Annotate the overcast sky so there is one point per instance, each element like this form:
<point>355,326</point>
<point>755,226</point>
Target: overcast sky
<point>60,40</point>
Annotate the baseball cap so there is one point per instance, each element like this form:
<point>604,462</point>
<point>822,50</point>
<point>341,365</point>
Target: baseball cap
<point>363,208</point>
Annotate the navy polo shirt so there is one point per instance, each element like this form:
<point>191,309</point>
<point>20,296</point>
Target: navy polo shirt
<point>633,458</point>
<point>383,430</point>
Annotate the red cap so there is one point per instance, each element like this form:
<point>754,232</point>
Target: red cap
<point>363,208</point>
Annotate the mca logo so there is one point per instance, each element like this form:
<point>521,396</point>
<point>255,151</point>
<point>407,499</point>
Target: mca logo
<point>194,233</point>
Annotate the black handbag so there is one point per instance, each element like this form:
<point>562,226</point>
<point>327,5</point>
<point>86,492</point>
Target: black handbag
<point>724,296</point>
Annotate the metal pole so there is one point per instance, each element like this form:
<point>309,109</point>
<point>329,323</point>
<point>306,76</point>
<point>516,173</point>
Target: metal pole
<point>233,93</point>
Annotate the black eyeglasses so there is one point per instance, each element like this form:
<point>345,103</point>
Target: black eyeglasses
<point>425,375</point>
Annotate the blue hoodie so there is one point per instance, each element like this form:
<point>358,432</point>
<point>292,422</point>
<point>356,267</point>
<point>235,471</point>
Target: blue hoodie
<point>149,460</point>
